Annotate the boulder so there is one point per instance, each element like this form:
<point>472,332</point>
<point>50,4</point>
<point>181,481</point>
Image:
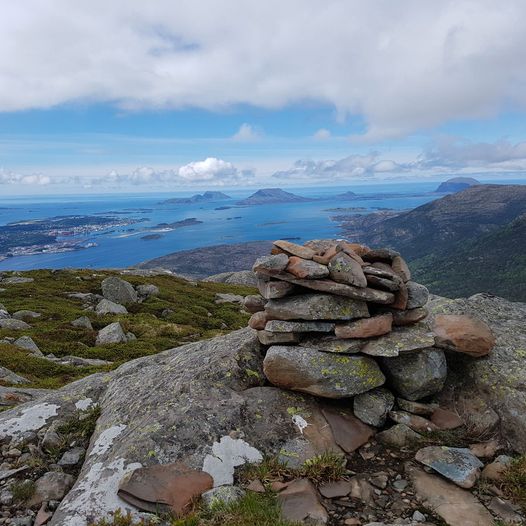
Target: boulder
<point>112,333</point>
<point>14,325</point>
<point>50,486</point>
<point>345,269</point>
<point>456,464</point>
<point>27,343</point>
<point>373,406</point>
<point>8,376</point>
<point>400,341</point>
<point>306,269</point>
<point>417,295</point>
<point>254,303</point>
<point>109,307</point>
<point>323,374</point>
<point>83,322</point>
<point>26,315</point>
<point>118,290</point>
<point>148,290</point>
<point>463,334</point>
<point>365,328</point>
<point>417,375</point>
<point>316,307</point>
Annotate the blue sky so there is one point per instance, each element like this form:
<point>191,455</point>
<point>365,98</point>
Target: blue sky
<point>162,95</point>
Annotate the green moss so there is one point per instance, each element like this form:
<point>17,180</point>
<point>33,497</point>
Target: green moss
<point>23,490</point>
<point>514,484</point>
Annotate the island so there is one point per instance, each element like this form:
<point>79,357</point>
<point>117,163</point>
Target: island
<point>267,196</point>
<point>346,196</point>
<point>456,184</point>
<point>197,198</point>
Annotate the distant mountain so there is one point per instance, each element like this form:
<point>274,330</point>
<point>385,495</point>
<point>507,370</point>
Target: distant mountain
<point>197,198</point>
<point>345,196</point>
<point>272,195</point>
<point>456,184</point>
<point>466,242</point>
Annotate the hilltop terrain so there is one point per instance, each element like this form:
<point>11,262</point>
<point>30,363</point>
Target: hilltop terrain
<point>197,198</point>
<point>456,184</point>
<point>272,195</point>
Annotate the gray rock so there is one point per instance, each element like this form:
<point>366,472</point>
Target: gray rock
<point>298,326</point>
<point>112,333</point>
<point>14,325</point>
<point>323,374</point>
<point>83,322</point>
<point>254,303</point>
<point>6,375</point>
<point>15,280</point>
<point>109,307</point>
<point>4,315</point>
<point>53,485</point>
<point>72,457</point>
<point>241,277</point>
<point>401,340</point>
<point>417,295</point>
<point>373,407</point>
<point>271,338</point>
<point>400,436</point>
<point>147,290</point>
<point>332,344</point>
<point>417,375</point>
<point>26,315</point>
<point>27,343</point>
<point>222,495</point>
<point>77,361</point>
<point>119,291</point>
<point>226,297</point>
<point>271,264</point>
<point>456,464</point>
<point>316,307</point>
<point>345,269</point>
<point>274,289</point>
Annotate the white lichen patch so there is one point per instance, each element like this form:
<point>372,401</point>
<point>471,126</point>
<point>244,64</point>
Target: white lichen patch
<point>300,423</point>
<point>95,494</point>
<point>106,438</point>
<point>31,419</point>
<point>226,455</point>
<point>84,404</point>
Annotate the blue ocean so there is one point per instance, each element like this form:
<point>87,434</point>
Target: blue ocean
<point>222,221</point>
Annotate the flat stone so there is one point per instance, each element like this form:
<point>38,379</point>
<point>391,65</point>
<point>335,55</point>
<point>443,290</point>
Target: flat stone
<point>409,316</point>
<point>345,269</point>
<point>271,264</point>
<point>373,406</point>
<point>332,344</point>
<point>463,334</point>
<point>495,470</point>
<point>417,408</point>
<point>112,333</point>
<point>254,303</point>
<point>400,340</point>
<point>418,295</point>
<point>299,326</point>
<point>445,419</point>
<point>294,250</point>
<point>400,267</point>
<point>14,325</point>
<point>109,307</point>
<point>401,298</point>
<point>381,270</point>
<point>300,502</point>
<point>162,486</point>
<point>456,506</point>
<point>332,490</point>
<point>118,290</point>
<point>274,289</point>
<point>356,248</point>
<point>362,490</point>
<point>506,511</point>
<point>417,375</point>
<point>414,422</point>
<point>83,322</point>
<point>349,432</point>
<point>72,457</point>
<point>316,307</point>
<point>400,436</point>
<point>327,255</point>
<point>271,338</point>
<point>380,254</point>
<point>306,269</point>
<point>383,283</point>
<point>365,328</point>
<point>456,464</point>
<point>327,375</point>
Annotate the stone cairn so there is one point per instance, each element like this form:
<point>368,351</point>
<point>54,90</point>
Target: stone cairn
<point>339,317</point>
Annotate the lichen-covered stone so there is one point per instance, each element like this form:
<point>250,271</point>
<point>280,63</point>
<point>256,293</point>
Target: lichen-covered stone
<point>373,406</point>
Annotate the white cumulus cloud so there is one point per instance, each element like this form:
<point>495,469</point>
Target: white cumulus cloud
<point>247,133</point>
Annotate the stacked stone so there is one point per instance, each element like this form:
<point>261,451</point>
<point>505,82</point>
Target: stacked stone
<point>339,317</point>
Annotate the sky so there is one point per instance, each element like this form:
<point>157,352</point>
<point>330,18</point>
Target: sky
<point>142,96</point>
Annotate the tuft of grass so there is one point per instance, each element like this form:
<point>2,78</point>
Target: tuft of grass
<point>253,509</point>
<point>23,490</point>
<point>270,469</point>
<point>326,467</point>
<point>514,484</point>
<point>80,426</point>
<point>450,437</point>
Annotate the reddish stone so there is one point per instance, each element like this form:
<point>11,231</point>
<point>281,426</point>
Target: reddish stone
<point>293,249</point>
<point>445,419</point>
<point>349,432</point>
<point>414,422</point>
<point>300,502</point>
<point>306,269</point>
<point>463,334</point>
<point>365,328</point>
<point>400,267</point>
<point>357,248</point>
<point>401,298</point>
<point>258,320</point>
<point>327,256</point>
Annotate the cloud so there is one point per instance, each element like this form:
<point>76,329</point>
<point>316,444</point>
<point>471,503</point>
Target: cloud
<point>247,133</point>
<point>322,134</point>
<point>13,178</point>
<point>353,166</point>
<point>401,66</point>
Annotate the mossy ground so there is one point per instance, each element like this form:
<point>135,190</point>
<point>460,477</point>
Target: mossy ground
<point>195,316</point>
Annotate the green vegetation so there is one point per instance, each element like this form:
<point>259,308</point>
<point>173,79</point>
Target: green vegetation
<point>514,484</point>
<point>325,467</point>
<point>22,490</point>
<point>192,315</point>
